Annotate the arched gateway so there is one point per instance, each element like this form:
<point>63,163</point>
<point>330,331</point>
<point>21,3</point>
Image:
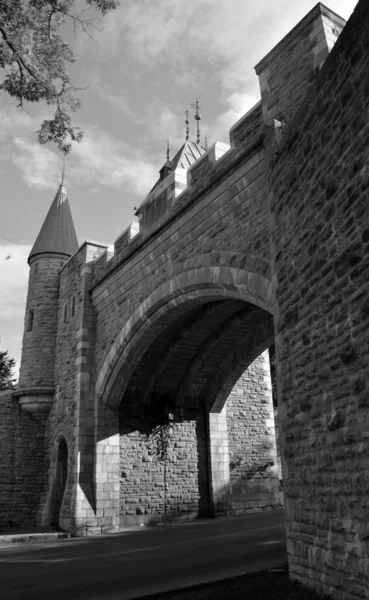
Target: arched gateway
<point>180,354</point>
<point>149,359</point>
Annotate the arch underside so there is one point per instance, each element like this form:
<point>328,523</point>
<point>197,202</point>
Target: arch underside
<point>178,357</point>
<point>199,356</point>
<point>191,345</point>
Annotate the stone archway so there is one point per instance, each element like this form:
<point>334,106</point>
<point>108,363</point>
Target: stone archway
<point>230,299</point>
<point>200,284</point>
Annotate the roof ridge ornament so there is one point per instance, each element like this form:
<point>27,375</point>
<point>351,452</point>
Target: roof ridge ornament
<point>168,151</point>
<point>197,118</point>
<point>187,126</point>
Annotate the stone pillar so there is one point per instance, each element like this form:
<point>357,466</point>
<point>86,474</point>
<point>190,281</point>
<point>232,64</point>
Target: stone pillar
<point>107,468</point>
<point>254,470</point>
<point>81,517</point>
<point>219,478</point>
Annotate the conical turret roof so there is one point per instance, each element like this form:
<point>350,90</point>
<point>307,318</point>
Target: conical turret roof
<point>57,234</point>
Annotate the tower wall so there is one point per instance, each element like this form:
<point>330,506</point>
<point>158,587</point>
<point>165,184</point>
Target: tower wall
<point>40,326</point>
<point>286,73</point>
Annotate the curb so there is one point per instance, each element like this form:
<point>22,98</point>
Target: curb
<point>18,538</point>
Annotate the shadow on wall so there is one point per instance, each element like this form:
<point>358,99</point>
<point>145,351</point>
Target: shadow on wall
<point>255,488</point>
<point>163,466</point>
<point>59,482</point>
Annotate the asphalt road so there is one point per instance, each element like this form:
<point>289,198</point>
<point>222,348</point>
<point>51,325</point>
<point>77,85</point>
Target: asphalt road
<point>140,562</point>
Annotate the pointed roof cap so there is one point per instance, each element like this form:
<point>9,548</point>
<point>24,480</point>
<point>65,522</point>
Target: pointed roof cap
<point>57,234</point>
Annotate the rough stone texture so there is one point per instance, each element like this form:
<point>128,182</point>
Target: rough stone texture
<point>246,420</point>
<point>22,459</point>
<point>219,478</point>
<point>186,305</point>
<point>151,491</point>
<point>277,443</point>
<point>38,349</point>
<point>286,73</point>
<point>254,475</point>
<point>234,212</point>
<point>320,235</point>
<point>248,129</point>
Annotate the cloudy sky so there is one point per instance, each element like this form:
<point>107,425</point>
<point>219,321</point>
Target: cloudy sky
<point>150,61</point>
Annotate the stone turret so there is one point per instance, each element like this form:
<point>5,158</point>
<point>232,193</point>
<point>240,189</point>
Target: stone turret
<point>56,242</point>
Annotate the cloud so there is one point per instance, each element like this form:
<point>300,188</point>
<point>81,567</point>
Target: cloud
<point>117,102</point>
<point>14,282</point>
<point>239,104</point>
<point>40,167</point>
<point>100,160</point>
<point>163,123</point>
<point>14,279</point>
<point>12,120</point>
<point>206,43</point>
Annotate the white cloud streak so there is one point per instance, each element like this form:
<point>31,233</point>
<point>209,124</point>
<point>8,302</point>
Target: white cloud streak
<point>218,40</point>
<point>100,160</point>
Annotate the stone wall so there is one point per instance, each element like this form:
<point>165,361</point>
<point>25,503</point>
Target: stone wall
<point>288,71</point>
<point>245,438</point>
<point>71,415</point>
<point>150,491</point>
<point>22,457</point>
<point>232,212</point>
<point>254,473</point>
<point>320,239</point>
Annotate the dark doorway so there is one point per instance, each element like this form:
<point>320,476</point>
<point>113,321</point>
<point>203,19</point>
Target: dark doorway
<point>60,480</point>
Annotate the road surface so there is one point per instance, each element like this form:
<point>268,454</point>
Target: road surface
<point>135,563</point>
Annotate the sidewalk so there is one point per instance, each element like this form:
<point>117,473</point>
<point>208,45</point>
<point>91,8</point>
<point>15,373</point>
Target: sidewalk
<point>17,535</point>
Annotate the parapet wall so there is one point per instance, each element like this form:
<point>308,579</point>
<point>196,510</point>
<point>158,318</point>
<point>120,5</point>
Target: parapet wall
<point>286,73</point>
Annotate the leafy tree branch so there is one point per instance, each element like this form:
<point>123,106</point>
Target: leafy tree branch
<point>7,364</point>
<point>34,57</point>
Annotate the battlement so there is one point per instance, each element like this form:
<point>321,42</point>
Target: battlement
<point>287,71</point>
<point>285,75</point>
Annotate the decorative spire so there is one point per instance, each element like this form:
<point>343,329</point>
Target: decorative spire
<point>197,119</point>
<point>63,171</point>
<point>168,151</point>
<point>206,144</point>
<point>187,126</point>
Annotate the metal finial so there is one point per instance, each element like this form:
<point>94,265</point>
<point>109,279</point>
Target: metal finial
<point>206,143</point>
<point>187,126</point>
<point>168,150</point>
<point>197,118</point>
<point>63,171</point>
